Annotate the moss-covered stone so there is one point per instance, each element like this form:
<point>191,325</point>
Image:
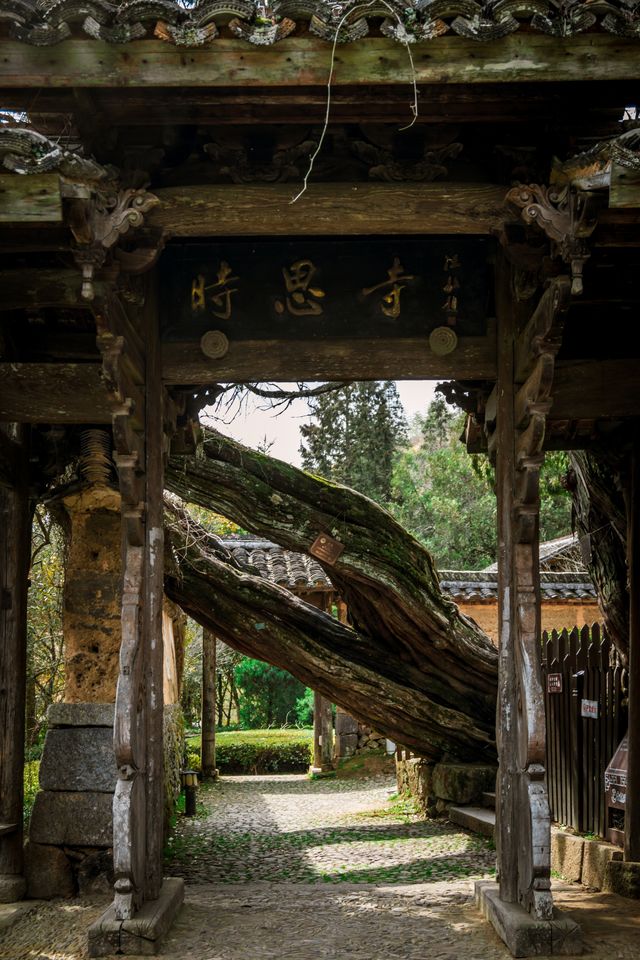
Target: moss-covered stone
<point>623,877</point>
<point>463,782</point>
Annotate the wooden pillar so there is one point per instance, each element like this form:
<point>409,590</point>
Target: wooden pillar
<point>526,355</point>
<point>506,792</point>
<point>208,724</point>
<point>155,450</point>
<point>632,813</point>
<point>322,708</point>
<point>15,544</point>
<point>132,371</point>
<point>322,733</point>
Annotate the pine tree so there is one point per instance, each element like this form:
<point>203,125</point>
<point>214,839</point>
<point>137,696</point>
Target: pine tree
<point>354,435</point>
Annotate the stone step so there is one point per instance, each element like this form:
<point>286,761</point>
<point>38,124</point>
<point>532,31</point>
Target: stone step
<point>478,819</point>
<point>489,800</point>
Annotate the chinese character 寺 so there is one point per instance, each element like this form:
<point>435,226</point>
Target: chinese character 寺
<point>219,293</point>
<point>302,299</point>
<point>390,302</point>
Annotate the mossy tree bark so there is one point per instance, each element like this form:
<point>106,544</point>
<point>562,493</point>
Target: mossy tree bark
<point>405,631</point>
<point>266,621</point>
<point>598,489</point>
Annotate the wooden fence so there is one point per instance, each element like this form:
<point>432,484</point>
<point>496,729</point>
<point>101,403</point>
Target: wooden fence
<point>584,686</point>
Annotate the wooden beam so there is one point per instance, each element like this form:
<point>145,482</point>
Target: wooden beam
<point>260,360</point>
<point>42,288</point>
<point>30,199</point>
<point>53,393</point>
<point>304,61</point>
<point>347,208</point>
<point>632,813</point>
<point>596,390</point>
<point>624,187</point>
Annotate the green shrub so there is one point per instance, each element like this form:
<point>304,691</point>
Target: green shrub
<point>264,751</point>
<point>257,751</point>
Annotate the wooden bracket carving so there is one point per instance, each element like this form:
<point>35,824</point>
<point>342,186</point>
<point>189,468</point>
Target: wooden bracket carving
<point>384,164</point>
<point>99,224</point>
<point>566,216</point>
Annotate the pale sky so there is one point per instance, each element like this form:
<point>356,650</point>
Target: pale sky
<point>252,424</point>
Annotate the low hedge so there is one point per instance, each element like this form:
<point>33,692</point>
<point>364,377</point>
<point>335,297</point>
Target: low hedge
<point>258,751</point>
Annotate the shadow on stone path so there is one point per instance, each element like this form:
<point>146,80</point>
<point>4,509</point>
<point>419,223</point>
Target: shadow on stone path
<point>279,856</point>
<point>291,829</point>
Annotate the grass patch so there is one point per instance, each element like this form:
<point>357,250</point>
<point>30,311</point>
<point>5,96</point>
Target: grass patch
<point>403,808</point>
<point>31,787</point>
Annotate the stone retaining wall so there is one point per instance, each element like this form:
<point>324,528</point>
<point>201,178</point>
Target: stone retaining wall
<point>436,785</point>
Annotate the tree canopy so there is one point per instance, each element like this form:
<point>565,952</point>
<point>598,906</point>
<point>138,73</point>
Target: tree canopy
<point>353,436</point>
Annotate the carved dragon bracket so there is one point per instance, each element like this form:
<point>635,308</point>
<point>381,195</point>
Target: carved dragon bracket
<point>97,210</point>
<point>566,216</point>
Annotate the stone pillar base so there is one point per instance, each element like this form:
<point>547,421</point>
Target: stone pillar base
<point>623,877</point>
<point>524,935</point>
<point>321,772</point>
<point>12,887</point>
<point>141,936</point>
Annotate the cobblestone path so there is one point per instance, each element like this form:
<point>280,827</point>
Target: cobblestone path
<point>290,829</point>
<point>357,877</point>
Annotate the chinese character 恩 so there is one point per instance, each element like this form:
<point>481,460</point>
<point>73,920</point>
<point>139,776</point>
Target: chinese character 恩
<point>301,299</point>
<point>390,301</point>
<point>218,294</point>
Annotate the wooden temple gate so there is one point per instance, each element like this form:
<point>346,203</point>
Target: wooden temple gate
<point>473,279</point>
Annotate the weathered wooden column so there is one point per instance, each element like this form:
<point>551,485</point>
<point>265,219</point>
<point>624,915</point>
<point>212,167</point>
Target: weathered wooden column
<point>208,724</point>
<point>130,346</point>
<point>15,543</point>
<point>322,734</point>
<point>523,912</point>
<point>632,813</point>
<point>323,761</point>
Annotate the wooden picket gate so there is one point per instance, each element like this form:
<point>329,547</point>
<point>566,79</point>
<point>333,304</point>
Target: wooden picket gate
<point>581,669</point>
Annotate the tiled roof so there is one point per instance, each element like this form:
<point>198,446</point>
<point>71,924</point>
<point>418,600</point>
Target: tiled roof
<point>469,585</point>
<point>553,554</point>
<point>296,571</point>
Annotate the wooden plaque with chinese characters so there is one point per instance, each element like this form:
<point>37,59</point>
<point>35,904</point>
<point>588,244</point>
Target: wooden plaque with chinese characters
<point>325,288</point>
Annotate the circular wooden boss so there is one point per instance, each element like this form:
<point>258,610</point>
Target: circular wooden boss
<point>214,344</point>
<point>443,340</point>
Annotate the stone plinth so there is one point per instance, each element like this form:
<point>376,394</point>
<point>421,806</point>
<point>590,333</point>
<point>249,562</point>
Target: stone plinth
<point>524,935</point>
<point>142,935</point>
<point>79,758</point>
<point>68,819</point>
<point>623,877</point>
<point>72,819</point>
<point>81,715</point>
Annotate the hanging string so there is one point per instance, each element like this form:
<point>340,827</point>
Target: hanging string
<point>413,106</point>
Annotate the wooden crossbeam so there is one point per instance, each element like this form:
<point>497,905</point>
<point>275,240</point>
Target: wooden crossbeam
<point>42,288</point>
<point>53,393</point>
<point>352,208</point>
<point>30,199</point>
<point>304,61</point>
<point>392,359</point>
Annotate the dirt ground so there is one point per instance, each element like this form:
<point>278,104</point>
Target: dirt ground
<point>283,867</point>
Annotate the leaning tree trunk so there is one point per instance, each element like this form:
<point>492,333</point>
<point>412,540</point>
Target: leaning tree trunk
<point>266,621</point>
<point>386,577</point>
<point>600,516</point>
